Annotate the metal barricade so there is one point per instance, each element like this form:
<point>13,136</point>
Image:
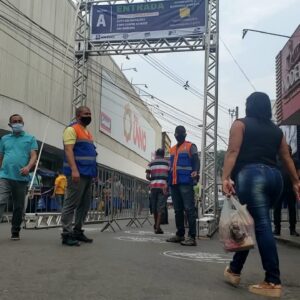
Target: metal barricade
<point>115,196</point>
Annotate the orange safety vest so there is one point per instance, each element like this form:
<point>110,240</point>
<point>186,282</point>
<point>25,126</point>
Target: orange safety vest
<point>181,164</point>
<point>84,153</point>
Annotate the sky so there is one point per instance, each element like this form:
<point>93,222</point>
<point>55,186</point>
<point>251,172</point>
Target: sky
<point>255,54</point>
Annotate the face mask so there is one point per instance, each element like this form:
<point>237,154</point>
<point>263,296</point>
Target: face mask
<point>85,120</point>
<point>180,138</point>
<point>17,127</point>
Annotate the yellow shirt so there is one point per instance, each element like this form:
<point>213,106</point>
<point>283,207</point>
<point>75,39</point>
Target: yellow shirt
<point>60,184</point>
<point>69,136</point>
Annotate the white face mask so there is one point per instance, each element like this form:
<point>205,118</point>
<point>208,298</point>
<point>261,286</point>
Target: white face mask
<point>17,127</point>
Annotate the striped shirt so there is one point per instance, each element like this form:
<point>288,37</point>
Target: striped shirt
<point>158,169</point>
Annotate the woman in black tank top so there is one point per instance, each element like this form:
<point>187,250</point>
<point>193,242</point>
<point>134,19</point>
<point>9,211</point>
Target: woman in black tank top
<point>250,162</point>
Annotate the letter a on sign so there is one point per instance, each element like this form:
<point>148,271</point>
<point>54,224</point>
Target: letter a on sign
<point>101,21</point>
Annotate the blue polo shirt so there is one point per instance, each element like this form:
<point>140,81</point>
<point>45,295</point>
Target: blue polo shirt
<point>15,151</point>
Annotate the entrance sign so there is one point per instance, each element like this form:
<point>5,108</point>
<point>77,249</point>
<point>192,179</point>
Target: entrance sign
<point>147,20</point>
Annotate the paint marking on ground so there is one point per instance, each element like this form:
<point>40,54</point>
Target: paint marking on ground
<point>139,239</point>
<point>199,256</point>
<point>144,232</point>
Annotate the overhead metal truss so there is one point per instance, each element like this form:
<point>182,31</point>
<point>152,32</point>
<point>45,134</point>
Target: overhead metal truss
<point>80,70</point>
<point>146,46</point>
<point>85,47</point>
<point>209,196</point>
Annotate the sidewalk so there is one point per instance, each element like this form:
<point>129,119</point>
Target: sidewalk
<point>285,235</point>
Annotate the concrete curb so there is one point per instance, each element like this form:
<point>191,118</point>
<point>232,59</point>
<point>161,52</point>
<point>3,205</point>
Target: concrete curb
<point>288,241</point>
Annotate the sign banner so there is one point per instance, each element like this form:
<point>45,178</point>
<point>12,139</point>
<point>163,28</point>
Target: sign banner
<point>122,121</point>
<point>147,20</point>
<point>290,133</point>
<point>288,80</point>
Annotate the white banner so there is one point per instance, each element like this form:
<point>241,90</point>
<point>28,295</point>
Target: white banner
<point>290,133</point>
<point>122,121</point>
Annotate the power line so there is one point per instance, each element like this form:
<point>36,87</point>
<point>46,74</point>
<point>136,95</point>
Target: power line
<point>238,65</point>
<point>156,64</point>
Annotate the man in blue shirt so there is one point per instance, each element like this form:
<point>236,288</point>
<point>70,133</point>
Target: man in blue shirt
<point>17,156</point>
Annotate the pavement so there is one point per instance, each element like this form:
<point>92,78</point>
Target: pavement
<point>132,264</point>
<point>286,238</point>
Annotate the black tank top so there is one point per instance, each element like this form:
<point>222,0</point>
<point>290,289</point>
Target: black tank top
<point>260,144</point>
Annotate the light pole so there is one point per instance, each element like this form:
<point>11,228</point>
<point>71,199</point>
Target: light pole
<point>263,32</point>
<point>128,69</point>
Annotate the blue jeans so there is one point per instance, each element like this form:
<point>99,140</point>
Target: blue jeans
<point>59,200</point>
<point>260,186</point>
<point>184,200</point>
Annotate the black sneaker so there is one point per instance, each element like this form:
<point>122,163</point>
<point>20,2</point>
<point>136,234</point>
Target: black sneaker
<point>294,233</point>
<point>175,239</point>
<point>189,242</point>
<point>82,237</point>
<point>159,231</point>
<point>15,236</point>
<point>70,241</point>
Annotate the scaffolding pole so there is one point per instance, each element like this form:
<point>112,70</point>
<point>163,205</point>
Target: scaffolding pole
<point>80,74</point>
<point>85,47</point>
<point>209,192</point>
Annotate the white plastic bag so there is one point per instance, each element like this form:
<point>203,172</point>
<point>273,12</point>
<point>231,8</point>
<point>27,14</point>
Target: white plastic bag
<point>236,227</point>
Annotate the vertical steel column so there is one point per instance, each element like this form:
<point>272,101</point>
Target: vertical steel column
<point>80,57</point>
<point>209,193</point>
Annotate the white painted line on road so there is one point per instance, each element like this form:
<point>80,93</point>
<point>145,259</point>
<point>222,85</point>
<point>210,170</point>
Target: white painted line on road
<point>91,228</point>
<point>142,232</point>
<point>199,256</point>
<point>140,239</point>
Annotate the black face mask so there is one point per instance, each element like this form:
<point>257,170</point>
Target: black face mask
<point>180,138</point>
<point>85,120</point>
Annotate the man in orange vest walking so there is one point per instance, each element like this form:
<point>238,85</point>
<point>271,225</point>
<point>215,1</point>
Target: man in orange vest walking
<point>80,167</point>
<point>183,175</point>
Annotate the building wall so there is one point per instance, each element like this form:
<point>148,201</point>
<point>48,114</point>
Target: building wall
<point>288,81</point>
<point>37,75</point>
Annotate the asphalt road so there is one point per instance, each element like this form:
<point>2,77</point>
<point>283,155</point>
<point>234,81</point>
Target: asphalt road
<point>132,264</point>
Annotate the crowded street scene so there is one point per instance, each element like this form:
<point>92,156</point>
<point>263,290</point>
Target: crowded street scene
<point>149,149</point>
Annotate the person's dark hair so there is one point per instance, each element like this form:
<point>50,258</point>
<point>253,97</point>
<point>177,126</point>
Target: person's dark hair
<point>180,129</point>
<point>14,115</point>
<point>160,152</point>
<point>258,105</point>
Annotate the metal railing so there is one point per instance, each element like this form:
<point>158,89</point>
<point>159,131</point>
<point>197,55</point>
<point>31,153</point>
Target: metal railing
<point>115,196</point>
